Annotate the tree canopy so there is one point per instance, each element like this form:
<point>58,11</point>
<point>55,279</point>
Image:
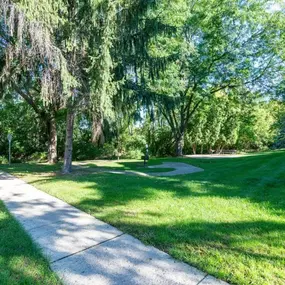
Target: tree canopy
<point>202,74</point>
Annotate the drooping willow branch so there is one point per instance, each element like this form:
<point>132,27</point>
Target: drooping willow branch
<point>28,43</point>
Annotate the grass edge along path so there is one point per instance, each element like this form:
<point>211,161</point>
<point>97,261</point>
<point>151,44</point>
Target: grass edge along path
<point>21,261</point>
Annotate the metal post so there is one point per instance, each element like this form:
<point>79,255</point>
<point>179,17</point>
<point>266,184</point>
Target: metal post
<point>146,155</point>
<point>9,137</point>
<point>9,152</point>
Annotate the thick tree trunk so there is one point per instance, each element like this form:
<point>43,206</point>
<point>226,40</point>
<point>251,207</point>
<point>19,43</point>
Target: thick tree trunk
<point>179,144</point>
<point>52,143</point>
<point>97,130</point>
<point>68,141</point>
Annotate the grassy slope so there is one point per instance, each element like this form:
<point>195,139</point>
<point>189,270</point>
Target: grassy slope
<point>228,220</point>
<point>20,260</point>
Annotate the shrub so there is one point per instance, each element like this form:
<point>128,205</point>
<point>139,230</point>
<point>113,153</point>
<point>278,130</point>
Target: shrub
<point>133,154</point>
<point>38,157</point>
<point>108,151</point>
<point>3,160</point>
<point>85,150</point>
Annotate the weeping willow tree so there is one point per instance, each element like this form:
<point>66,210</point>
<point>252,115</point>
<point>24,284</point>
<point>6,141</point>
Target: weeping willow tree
<point>32,64</point>
<point>44,39</point>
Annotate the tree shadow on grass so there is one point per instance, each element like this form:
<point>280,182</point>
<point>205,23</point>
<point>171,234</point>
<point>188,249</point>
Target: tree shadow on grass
<point>30,168</point>
<point>220,235</point>
<point>238,252</point>
<point>259,243</point>
<point>20,260</point>
<point>258,179</point>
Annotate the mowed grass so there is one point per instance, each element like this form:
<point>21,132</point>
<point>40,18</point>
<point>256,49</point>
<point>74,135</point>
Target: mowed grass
<point>20,260</point>
<point>228,220</point>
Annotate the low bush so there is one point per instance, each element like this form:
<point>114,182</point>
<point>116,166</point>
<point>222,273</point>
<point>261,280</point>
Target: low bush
<point>3,160</point>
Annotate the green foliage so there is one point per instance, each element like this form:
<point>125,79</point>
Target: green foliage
<point>3,159</point>
<point>38,157</point>
<point>131,144</point>
<point>258,128</point>
<point>280,125</point>
<point>29,135</point>
<point>219,46</point>
<point>216,125</point>
<point>160,140</point>
<point>118,60</point>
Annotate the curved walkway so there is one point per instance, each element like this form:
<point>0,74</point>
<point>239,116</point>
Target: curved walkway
<point>179,169</point>
<point>85,251</point>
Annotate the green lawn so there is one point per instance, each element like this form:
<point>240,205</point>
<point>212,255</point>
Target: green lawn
<point>20,260</point>
<point>228,220</point>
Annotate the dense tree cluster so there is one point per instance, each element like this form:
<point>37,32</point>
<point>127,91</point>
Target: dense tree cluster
<point>82,79</point>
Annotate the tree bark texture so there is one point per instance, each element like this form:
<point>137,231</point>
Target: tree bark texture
<point>179,144</point>
<point>52,143</point>
<point>67,166</point>
<point>97,130</point>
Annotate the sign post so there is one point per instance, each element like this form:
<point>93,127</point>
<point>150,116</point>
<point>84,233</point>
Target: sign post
<point>9,137</point>
<point>145,157</point>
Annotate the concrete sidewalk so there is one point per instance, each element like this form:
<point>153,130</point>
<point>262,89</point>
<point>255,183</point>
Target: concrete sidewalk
<point>84,250</point>
<point>179,168</point>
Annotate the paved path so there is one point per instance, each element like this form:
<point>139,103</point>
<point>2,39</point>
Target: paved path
<point>180,168</point>
<point>84,250</point>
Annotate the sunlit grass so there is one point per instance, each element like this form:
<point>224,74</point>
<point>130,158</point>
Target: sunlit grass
<point>228,220</point>
<point>20,260</point>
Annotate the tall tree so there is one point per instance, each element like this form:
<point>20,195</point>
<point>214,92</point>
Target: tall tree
<point>221,45</point>
<point>31,62</point>
<point>113,37</point>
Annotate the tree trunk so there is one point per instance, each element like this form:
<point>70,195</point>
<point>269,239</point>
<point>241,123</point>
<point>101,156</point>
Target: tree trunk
<point>219,149</point>
<point>194,148</point>
<point>179,144</point>
<point>68,141</point>
<point>52,143</point>
<point>97,130</point>
<point>202,149</point>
